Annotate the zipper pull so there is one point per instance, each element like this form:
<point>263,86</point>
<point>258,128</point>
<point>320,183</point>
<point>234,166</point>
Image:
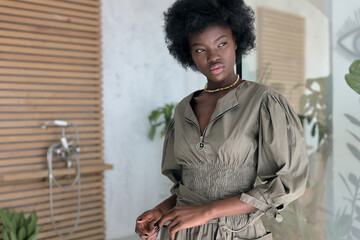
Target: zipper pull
<point>200,145</point>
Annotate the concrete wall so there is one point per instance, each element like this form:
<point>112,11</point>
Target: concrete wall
<point>139,76</point>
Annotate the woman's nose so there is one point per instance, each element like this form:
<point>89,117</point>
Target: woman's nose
<point>213,55</point>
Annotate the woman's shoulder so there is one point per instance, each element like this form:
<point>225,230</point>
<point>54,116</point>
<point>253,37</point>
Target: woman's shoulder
<point>258,91</point>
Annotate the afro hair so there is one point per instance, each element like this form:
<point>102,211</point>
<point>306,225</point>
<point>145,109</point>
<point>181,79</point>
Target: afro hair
<point>188,17</point>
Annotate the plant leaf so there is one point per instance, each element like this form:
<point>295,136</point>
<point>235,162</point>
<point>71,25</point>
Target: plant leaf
<point>347,186</point>
<point>5,234</point>
<point>5,219</point>
<point>353,81</point>
<point>22,233</point>
<point>33,237</point>
<point>13,225</point>
<point>345,221</point>
<point>156,115</point>
<point>12,236</point>
<point>22,219</point>
<point>152,132</point>
<point>357,209</point>
<point>354,150</point>
<point>355,67</point>
<point>352,119</point>
<point>353,179</point>
<point>356,137</point>
<point>30,229</point>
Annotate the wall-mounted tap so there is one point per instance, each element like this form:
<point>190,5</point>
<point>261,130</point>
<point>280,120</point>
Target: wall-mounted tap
<point>64,151</point>
<point>67,148</point>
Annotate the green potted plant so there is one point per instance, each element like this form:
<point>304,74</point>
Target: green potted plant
<point>16,227</point>
<point>353,77</point>
<point>156,120</point>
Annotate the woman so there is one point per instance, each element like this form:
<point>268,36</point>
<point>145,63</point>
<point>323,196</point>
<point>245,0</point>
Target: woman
<point>224,136</point>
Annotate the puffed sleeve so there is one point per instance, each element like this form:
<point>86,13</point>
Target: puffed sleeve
<point>169,167</point>
<point>282,158</point>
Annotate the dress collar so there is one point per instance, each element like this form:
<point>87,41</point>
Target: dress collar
<point>224,104</point>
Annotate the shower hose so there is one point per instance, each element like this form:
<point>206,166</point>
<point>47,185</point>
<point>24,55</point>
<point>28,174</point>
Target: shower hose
<point>52,180</point>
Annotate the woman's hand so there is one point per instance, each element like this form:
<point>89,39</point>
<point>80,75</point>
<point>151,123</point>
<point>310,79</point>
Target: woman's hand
<point>182,217</point>
<point>145,224</point>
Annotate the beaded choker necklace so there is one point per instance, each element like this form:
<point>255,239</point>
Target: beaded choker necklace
<point>223,88</point>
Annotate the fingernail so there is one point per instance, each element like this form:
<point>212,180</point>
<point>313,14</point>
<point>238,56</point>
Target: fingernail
<point>146,235</point>
<point>139,219</point>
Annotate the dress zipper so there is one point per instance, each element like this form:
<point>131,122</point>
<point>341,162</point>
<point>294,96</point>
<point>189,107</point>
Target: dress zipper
<point>201,144</point>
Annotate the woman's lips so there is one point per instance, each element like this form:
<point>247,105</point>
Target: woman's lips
<point>216,70</point>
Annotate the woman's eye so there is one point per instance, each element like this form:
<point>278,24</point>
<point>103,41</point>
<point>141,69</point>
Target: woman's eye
<point>199,50</point>
<point>222,44</point>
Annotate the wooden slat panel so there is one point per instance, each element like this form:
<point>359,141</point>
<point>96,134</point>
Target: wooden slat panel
<point>31,58</point>
<point>49,109</point>
<point>47,16</point>
<point>65,116</point>
<point>52,24</point>
<point>50,31</point>
<point>46,9</point>
<point>80,228</point>
<point>93,152</point>
<point>11,149</point>
<point>44,184</point>
<point>84,2</point>
<point>42,73</point>
<point>51,81</point>
<point>47,138</point>
<point>62,4</point>
<point>56,172</point>
<point>84,234</point>
<point>47,95</point>
<point>281,47</point>
<point>44,191</point>
<point>52,130</point>
<point>39,123</point>
<point>50,68</point>
<point>45,44</point>
<point>52,87</point>
<point>48,52</point>
<point>36,200</point>
<point>71,216</point>
<point>41,166</point>
<point>73,201</point>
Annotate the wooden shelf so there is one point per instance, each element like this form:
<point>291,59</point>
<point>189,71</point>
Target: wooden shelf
<point>31,175</point>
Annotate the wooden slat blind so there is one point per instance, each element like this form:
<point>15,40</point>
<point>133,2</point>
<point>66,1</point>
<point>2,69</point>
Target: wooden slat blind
<point>281,50</point>
<point>50,68</point>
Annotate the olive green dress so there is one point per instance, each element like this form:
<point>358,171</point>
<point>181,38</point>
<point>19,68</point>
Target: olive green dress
<point>252,132</point>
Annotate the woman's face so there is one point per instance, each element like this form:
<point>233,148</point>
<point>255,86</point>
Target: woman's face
<point>213,52</point>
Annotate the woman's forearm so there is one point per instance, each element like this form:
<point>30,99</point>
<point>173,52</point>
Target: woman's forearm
<point>167,204</point>
<point>229,207</point>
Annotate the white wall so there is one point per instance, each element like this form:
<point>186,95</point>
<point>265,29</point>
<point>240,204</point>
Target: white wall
<point>139,76</point>
<point>345,101</point>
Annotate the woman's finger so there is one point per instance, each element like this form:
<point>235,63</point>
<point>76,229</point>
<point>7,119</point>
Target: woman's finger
<point>153,236</point>
<point>172,231</point>
<point>166,218</point>
<point>172,224</point>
